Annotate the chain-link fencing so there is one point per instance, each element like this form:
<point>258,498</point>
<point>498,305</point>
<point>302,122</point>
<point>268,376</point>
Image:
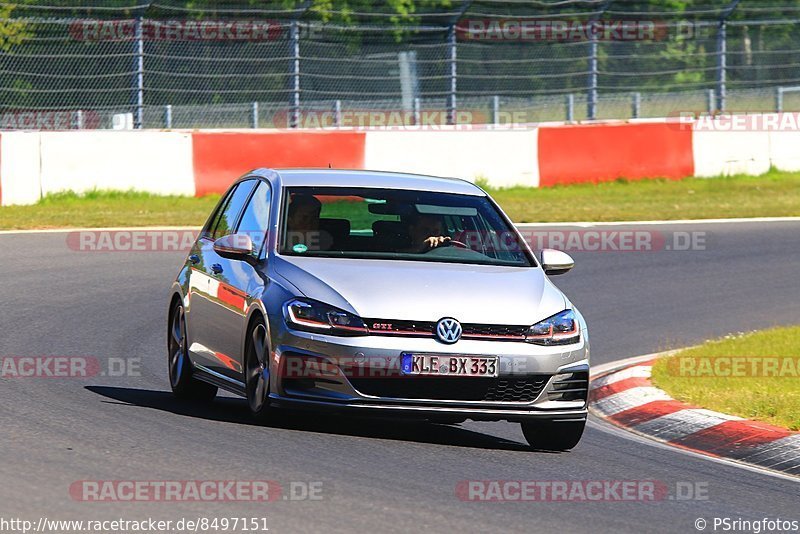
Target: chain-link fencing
<point>242,64</point>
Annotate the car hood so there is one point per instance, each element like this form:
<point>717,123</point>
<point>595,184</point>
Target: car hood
<point>425,291</point>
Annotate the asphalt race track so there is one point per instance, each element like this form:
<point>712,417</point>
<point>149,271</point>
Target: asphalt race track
<point>385,476</point>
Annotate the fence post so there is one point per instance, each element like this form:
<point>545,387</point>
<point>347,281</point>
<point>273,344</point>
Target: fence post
<point>337,113</point>
<point>710,96</point>
<point>254,115</point>
<point>451,101</point>
<point>138,79</point>
<point>722,53</point>
<point>570,107</point>
<point>591,101</point>
<point>779,100</point>
<point>417,111</point>
<point>722,45</point>
<point>592,97</point>
<point>168,116</point>
<point>637,105</point>
<point>496,110</point>
<point>78,120</point>
<point>295,40</point>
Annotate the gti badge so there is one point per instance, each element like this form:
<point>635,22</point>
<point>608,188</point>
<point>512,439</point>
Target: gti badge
<point>448,330</point>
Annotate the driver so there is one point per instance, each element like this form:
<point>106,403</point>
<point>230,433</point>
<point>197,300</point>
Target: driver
<point>303,223</point>
<point>426,232</point>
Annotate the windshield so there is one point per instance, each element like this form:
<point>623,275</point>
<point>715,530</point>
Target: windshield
<point>394,224</point>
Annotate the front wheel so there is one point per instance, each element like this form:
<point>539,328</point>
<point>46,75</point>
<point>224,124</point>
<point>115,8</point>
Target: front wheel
<point>180,367</point>
<point>553,435</point>
<point>257,371</point>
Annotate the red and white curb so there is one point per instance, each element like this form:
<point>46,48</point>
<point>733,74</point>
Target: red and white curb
<point>627,398</point>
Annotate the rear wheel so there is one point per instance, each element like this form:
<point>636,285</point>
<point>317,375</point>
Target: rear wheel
<point>180,367</point>
<point>553,435</point>
<point>257,371</point>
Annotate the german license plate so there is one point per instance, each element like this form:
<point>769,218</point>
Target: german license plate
<point>445,365</point>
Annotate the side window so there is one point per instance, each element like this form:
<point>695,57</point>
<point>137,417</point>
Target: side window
<point>255,220</point>
<point>226,221</point>
<point>208,230</point>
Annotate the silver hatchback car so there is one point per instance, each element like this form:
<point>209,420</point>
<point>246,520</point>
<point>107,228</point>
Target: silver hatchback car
<point>387,294</point>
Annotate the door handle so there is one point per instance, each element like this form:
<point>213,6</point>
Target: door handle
<point>216,268</point>
<point>194,259</point>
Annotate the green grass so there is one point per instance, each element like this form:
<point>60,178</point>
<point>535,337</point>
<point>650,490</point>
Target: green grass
<point>770,195</point>
<point>773,194</point>
<point>108,209</point>
<point>770,394</point>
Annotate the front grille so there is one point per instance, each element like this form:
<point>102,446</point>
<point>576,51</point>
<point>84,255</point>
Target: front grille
<point>388,327</point>
<point>517,389</point>
<point>506,389</point>
<point>497,332</point>
<point>494,331</point>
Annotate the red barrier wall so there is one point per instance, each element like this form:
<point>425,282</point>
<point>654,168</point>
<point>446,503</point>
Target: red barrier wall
<point>220,158</point>
<point>604,152</point>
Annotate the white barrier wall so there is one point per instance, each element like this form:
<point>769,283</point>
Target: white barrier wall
<point>505,158</point>
<point>719,152</point>
<point>158,162</point>
<point>784,150</point>
<point>19,168</point>
<point>33,164</point>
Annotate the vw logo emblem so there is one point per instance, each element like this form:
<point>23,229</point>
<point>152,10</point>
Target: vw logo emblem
<point>448,330</point>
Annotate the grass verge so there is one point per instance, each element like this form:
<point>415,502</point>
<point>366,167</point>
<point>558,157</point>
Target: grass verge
<point>99,209</point>
<point>770,195</point>
<point>756,376</point>
<point>774,194</point>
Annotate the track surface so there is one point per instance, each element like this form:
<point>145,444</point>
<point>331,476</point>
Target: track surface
<point>386,476</point>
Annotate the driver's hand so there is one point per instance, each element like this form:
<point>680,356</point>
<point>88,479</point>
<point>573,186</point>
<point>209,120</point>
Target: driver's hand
<point>436,241</point>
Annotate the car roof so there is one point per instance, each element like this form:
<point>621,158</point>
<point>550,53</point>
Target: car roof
<point>375,179</point>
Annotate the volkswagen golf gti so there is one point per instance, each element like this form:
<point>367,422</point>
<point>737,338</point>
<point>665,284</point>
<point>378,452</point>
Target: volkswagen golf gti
<point>387,294</point>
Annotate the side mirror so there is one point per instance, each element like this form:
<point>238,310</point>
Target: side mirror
<point>234,246</point>
<point>556,262</point>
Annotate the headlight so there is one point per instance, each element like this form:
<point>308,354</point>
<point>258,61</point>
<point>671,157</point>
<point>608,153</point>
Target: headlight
<point>560,329</point>
<point>313,316</point>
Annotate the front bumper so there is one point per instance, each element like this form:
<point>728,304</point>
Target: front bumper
<point>519,363</point>
<point>429,412</point>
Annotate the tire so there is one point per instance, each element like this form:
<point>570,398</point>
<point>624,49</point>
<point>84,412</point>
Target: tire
<point>553,435</point>
<point>178,362</point>
<point>256,371</point>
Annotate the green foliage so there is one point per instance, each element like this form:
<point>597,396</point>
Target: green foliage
<point>12,32</point>
<point>345,11</point>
